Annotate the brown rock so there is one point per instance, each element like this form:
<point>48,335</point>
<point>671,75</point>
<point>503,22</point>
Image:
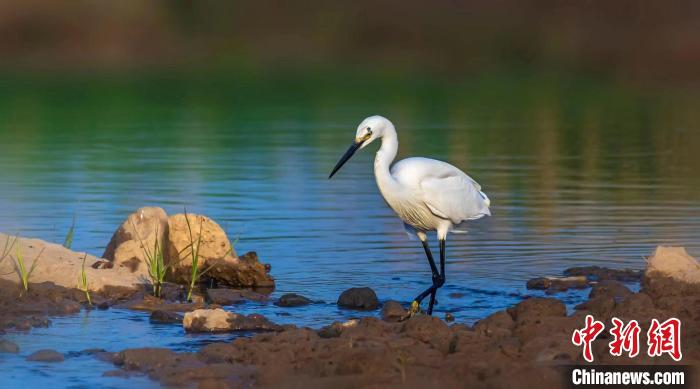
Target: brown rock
<point>423,324</point>
<point>59,266</point>
<point>144,359</point>
<point>213,244</point>
<point>638,306</point>
<point>597,273</point>
<point>146,225</point>
<point>359,298</point>
<point>215,253</point>
<point>674,262</point>
<point>497,325</point>
<point>226,296</point>
<point>393,311</point>
<point>557,284</point>
<point>151,303</point>
<point>546,326</point>
<point>165,317</point>
<point>610,288</point>
<point>430,330</point>
<point>601,306</point>
<point>292,300</point>
<point>244,271</point>
<point>536,308</point>
<point>218,320</point>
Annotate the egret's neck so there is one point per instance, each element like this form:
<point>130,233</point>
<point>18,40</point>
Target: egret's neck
<point>385,156</point>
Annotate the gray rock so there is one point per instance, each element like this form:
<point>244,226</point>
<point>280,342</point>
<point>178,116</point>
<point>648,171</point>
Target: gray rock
<point>292,300</point>
<point>46,356</point>
<point>359,298</point>
<point>8,347</point>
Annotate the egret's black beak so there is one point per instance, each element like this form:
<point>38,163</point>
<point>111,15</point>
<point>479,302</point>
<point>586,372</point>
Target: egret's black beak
<point>348,154</point>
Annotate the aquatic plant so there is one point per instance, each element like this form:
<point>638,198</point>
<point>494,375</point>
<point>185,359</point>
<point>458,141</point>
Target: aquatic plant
<point>68,241</point>
<point>155,261</point>
<point>22,270</point>
<point>195,273</point>
<point>82,281</point>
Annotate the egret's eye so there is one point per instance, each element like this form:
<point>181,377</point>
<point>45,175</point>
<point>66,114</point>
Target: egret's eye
<point>369,130</point>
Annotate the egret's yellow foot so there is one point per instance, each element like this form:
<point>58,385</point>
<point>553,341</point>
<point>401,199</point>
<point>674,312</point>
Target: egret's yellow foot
<point>414,310</point>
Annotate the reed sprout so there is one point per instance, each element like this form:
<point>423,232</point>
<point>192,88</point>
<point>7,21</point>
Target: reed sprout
<point>83,282</point>
<point>21,268</point>
<point>155,261</point>
<point>195,272</point>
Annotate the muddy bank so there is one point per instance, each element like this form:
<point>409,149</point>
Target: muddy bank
<point>527,345</point>
<point>42,300</point>
<point>35,307</point>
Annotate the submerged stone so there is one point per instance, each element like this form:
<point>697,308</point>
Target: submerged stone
<point>46,356</point>
<point>165,317</point>
<point>292,300</point>
<point>597,273</point>
<point>557,284</point>
<point>8,347</point>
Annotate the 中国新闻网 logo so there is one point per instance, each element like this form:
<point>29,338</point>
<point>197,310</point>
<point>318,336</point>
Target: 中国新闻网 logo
<point>662,338</point>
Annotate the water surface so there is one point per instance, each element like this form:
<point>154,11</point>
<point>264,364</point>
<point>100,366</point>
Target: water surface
<point>580,172</point>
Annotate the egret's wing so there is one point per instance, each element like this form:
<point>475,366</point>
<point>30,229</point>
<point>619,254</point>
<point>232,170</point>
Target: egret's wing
<point>455,197</point>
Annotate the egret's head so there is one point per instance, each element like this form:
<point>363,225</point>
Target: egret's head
<point>370,129</point>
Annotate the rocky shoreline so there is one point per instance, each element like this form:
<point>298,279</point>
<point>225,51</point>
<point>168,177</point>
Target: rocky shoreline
<point>527,344</point>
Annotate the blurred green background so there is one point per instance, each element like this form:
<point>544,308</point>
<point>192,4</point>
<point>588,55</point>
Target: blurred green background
<point>626,40</point>
<point>579,118</point>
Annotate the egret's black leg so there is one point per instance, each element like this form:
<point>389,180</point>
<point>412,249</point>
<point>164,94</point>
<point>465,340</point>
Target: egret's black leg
<point>442,263</point>
<point>438,278</point>
<point>429,254</point>
<point>437,281</point>
<point>436,275</point>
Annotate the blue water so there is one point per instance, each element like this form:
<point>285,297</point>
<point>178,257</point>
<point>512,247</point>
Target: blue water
<point>577,175</point>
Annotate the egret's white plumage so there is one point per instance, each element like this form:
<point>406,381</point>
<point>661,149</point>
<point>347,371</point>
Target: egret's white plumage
<point>427,194</point>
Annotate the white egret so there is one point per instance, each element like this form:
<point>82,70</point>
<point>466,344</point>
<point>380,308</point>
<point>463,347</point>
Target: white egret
<point>427,194</point>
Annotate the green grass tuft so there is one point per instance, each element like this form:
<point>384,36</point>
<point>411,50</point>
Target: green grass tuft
<point>195,273</point>
<point>22,270</point>
<point>155,260</point>
<point>68,241</point>
<point>82,281</point>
